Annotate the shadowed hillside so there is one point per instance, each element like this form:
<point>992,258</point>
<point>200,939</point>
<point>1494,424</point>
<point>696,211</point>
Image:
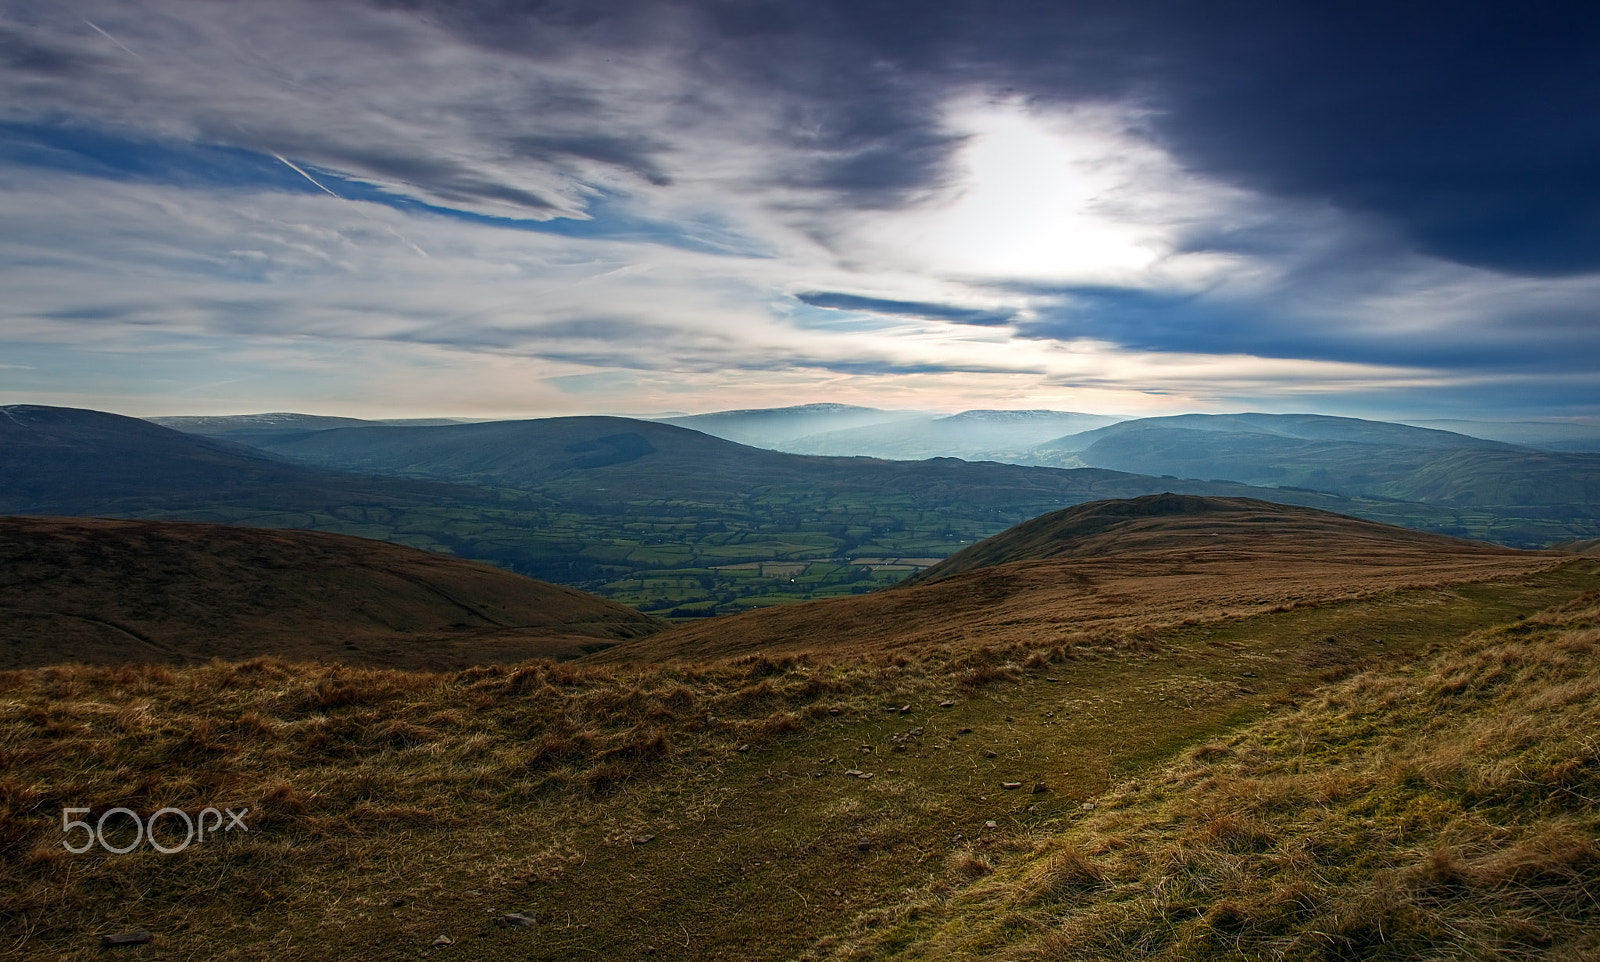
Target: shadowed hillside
<point>105,592</point>
<point>72,461</point>
<point>1533,497</point>
<point>1108,566</point>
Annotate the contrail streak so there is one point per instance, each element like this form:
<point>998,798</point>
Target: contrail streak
<point>324,188</point>
<point>286,162</point>
<point>109,37</point>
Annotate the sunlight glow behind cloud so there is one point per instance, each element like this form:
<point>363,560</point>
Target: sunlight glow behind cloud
<point>649,206</point>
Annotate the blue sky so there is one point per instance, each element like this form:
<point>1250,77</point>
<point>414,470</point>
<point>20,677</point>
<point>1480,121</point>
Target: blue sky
<point>520,209</point>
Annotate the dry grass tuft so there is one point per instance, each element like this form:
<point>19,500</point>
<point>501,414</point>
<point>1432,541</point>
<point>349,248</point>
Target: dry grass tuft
<point>1449,810</point>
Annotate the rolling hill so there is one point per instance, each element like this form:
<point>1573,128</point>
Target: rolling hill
<point>655,516</point>
<point>1535,497</point>
<point>72,461</point>
<point>1575,435</point>
<point>973,435</point>
<point>777,428</point>
<point>1175,727</point>
<point>1073,575</point>
<point>96,591</point>
<point>248,428</point>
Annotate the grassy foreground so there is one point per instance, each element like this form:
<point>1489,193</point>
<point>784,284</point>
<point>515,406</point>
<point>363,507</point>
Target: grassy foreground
<point>720,811</point>
<point>1449,810</point>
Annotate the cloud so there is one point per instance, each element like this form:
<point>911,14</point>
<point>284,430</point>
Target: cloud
<point>877,305</point>
<point>1107,197</point>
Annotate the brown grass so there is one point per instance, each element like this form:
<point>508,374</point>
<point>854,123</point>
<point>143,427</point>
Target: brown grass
<point>1147,574</point>
<point>96,591</point>
<point>1449,811</point>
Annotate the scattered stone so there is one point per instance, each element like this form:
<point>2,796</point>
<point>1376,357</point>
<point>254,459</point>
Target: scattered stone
<point>838,894</point>
<point>744,748</point>
<point>1087,806</point>
<point>864,844</point>
<point>898,747</point>
<point>991,823</point>
<point>866,748</point>
<point>817,774</point>
<point>864,776</point>
<point>525,919</point>
<point>951,704</point>
<point>915,732</point>
<point>1008,786</point>
<point>833,711</point>
<point>890,709</point>
<point>1247,674</point>
<point>1033,809</point>
<point>136,937</point>
<point>1050,678</point>
<point>988,753</point>
<point>1040,787</point>
<point>442,941</point>
<point>1247,691</point>
<point>644,839</point>
<point>965,731</point>
<point>852,773</point>
<point>710,719</point>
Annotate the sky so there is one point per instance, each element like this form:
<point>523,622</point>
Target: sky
<point>494,208</point>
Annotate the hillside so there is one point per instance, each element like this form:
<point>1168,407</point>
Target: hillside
<point>1304,427</point>
<point>1438,810</point>
<point>1158,526</point>
<point>654,516</point>
<point>973,435</point>
<point>72,461</point>
<point>1106,567</point>
<point>1575,435</point>
<point>95,591</point>
<point>776,428</point>
<point>251,428</point>
<point>1534,497</point>
<point>926,802</point>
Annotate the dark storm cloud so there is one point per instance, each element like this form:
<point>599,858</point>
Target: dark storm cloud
<point>1468,127</point>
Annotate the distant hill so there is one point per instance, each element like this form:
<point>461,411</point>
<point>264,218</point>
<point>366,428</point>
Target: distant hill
<point>1536,497</point>
<point>595,460</point>
<point>254,427</point>
<point>1572,436</point>
<point>99,591</point>
<point>775,428</point>
<point>648,514</point>
<point>973,435</point>
<point>1070,576</point>
<point>1306,427</point>
<point>71,461</point>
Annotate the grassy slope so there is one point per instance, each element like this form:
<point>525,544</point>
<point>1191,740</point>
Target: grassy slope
<point>98,591</point>
<point>1116,565</point>
<point>1447,809</point>
<point>616,804</point>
